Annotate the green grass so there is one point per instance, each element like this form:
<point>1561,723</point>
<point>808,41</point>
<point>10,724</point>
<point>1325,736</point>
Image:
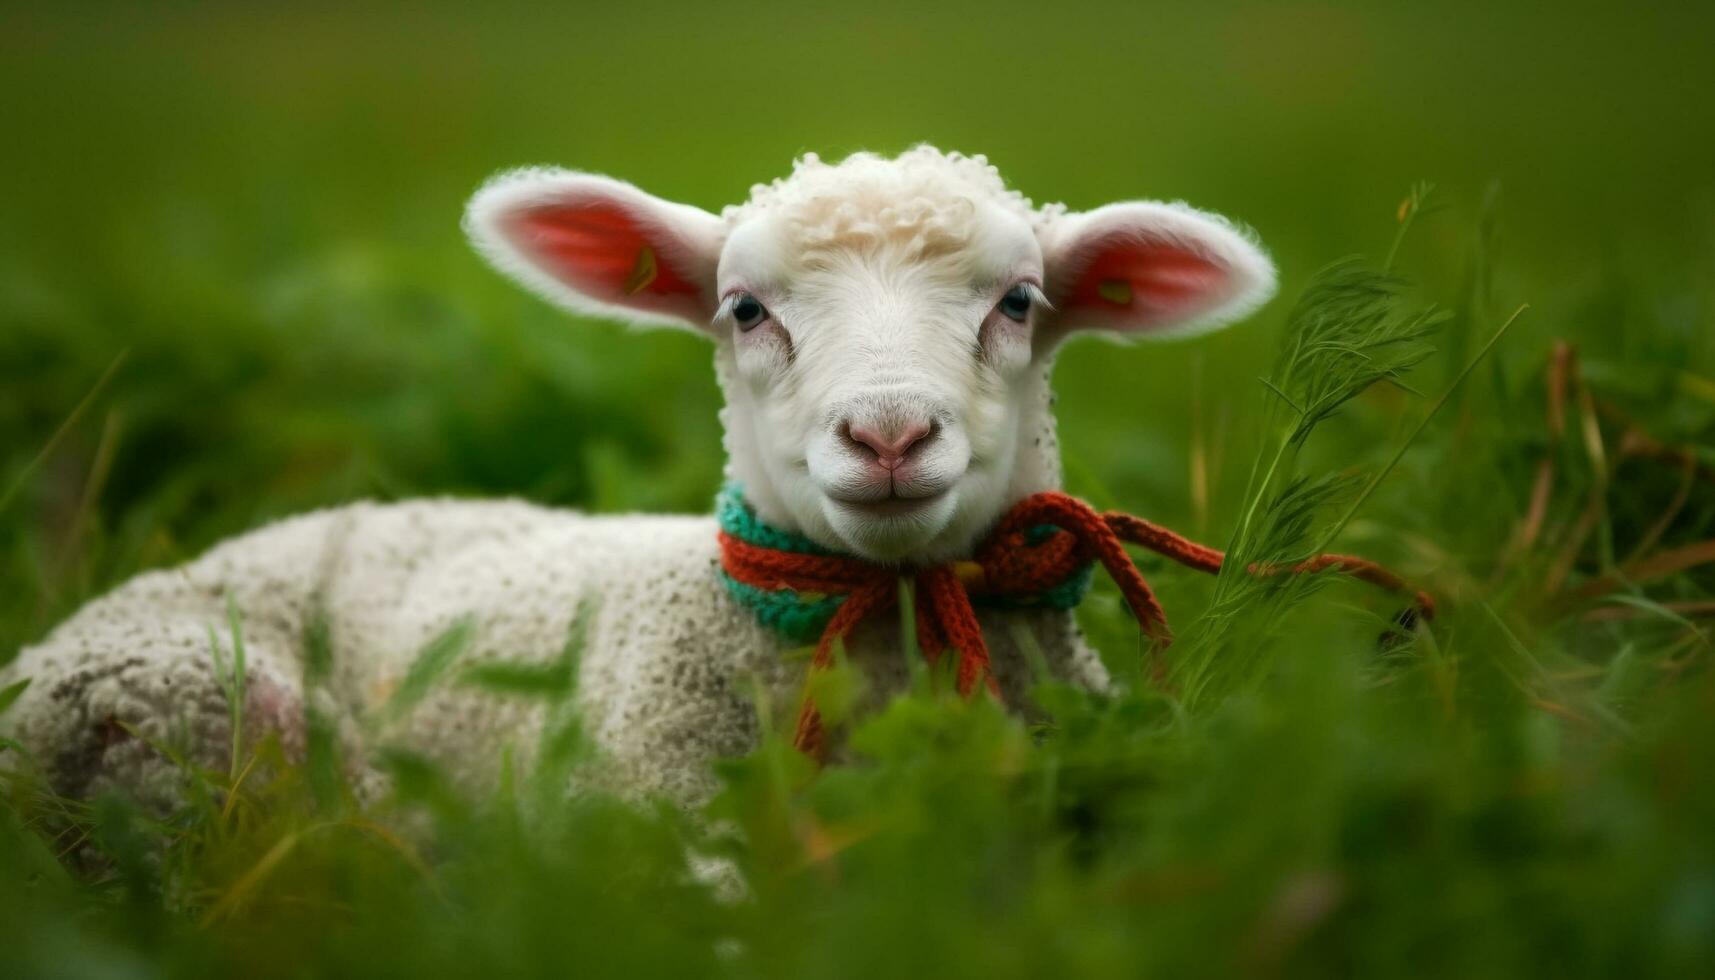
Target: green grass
<point>232,288</point>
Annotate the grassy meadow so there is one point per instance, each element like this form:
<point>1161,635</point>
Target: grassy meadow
<point>233,288</point>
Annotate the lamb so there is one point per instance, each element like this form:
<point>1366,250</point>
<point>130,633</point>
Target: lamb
<point>884,334</point>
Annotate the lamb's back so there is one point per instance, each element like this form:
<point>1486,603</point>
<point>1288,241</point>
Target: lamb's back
<point>386,580</point>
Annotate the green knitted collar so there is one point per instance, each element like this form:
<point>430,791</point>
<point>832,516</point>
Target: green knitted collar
<point>802,616</point>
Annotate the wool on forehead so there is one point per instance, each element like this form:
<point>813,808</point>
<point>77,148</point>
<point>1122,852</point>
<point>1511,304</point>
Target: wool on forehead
<point>923,201</point>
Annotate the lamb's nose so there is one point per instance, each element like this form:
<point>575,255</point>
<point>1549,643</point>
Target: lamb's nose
<point>891,445</point>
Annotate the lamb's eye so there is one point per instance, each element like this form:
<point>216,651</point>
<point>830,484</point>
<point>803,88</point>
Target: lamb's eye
<point>747,312</point>
<point>1016,303</point>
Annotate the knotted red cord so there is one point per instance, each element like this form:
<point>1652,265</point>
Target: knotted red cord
<point>1007,566</point>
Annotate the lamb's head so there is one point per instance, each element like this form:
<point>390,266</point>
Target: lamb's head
<point>884,327</point>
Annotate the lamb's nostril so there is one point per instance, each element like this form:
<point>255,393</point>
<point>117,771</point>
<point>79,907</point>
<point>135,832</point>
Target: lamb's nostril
<point>852,442</point>
<point>890,446</point>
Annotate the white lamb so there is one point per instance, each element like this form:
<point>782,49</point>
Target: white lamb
<point>884,333</point>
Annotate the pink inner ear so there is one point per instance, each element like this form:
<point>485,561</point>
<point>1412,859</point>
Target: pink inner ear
<point>602,250</point>
<point>1143,283</point>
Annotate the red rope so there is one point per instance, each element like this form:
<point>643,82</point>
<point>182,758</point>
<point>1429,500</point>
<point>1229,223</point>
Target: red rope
<point>1007,565</point>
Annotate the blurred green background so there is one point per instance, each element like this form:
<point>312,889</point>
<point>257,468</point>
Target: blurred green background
<point>257,205</point>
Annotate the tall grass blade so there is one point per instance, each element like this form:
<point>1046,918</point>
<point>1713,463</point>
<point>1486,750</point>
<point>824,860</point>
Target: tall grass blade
<point>235,694</point>
<point>432,662</point>
<point>66,426</point>
<point>1393,461</point>
<point>11,693</point>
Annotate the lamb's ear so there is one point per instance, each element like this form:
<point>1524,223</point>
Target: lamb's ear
<point>1148,269</point>
<point>599,246</point>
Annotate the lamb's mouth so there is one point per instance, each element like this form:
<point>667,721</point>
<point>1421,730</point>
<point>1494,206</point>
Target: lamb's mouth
<point>890,506</point>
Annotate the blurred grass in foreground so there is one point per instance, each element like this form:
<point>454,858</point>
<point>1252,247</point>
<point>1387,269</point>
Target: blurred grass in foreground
<point>258,207</point>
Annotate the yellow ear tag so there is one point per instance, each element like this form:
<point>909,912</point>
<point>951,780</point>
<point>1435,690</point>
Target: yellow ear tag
<point>1115,291</point>
<point>643,273</point>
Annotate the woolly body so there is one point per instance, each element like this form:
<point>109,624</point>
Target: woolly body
<point>887,396</point>
<point>667,681</point>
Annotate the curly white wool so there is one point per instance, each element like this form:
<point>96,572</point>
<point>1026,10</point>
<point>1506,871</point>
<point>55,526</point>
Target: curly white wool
<point>669,670</point>
<point>921,200</point>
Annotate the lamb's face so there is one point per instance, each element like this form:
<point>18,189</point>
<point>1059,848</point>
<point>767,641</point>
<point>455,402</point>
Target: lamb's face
<point>883,378</point>
<point>883,327</point>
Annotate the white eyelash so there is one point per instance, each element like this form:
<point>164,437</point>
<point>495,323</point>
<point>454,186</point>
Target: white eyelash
<point>1037,297</point>
<point>723,312</point>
